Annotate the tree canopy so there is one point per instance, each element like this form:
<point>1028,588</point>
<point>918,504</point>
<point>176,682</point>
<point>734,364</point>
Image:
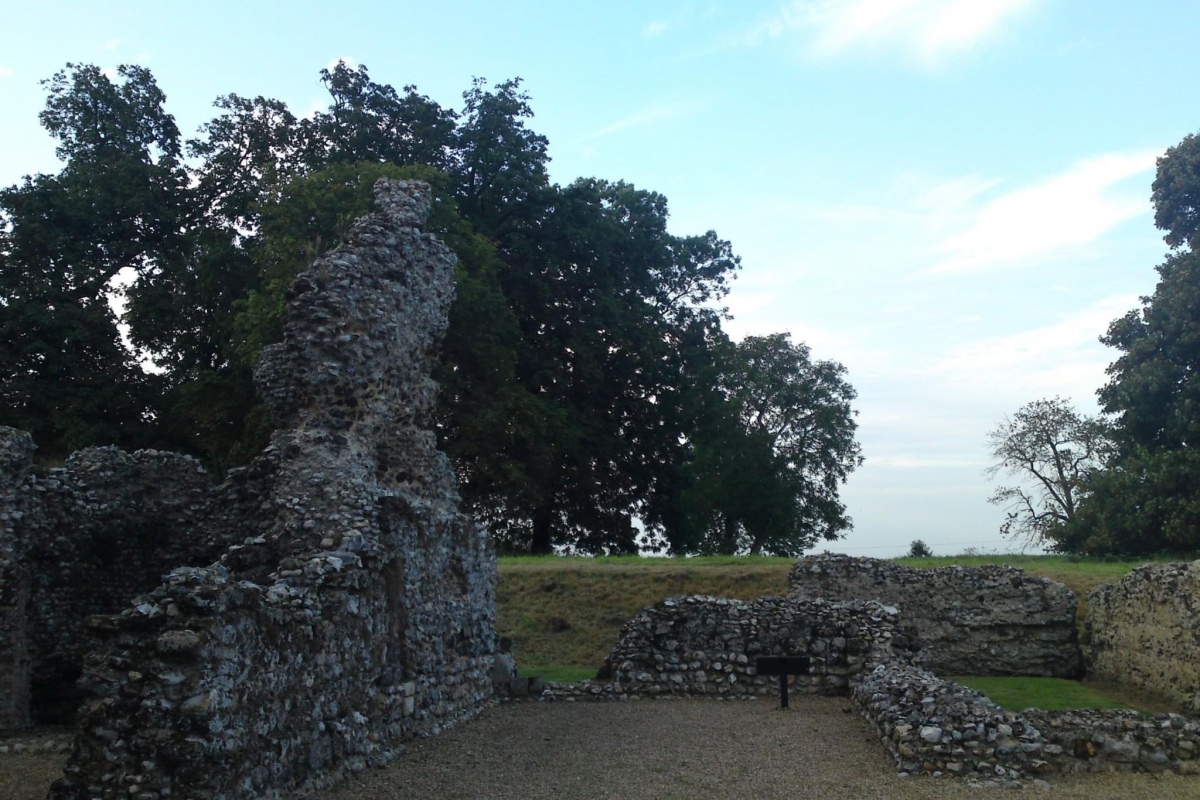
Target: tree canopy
<point>1147,499</point>
<point>589,393</point>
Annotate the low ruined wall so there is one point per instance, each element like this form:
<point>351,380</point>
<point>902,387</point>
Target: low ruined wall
<point>359,609</point>
<point>933,726</point>
<point>990,620</point>
<point>1145,631</point>
<point>707,645</point>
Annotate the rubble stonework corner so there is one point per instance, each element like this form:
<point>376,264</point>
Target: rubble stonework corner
<point>318,607</point>
<point>1142,631</point>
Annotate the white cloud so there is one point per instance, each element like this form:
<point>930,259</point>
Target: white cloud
<point>647,116</point>
<point>112,44</point>
<point>6,71</point>
<point>656,28</point>
<point>1063,212</point>
<point>926,29</point>
<point>1064,358</point>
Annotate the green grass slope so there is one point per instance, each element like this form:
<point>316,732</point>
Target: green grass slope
<point>564,614</point>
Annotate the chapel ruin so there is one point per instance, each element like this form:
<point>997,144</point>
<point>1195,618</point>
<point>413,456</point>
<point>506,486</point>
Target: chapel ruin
<point>295,622</point>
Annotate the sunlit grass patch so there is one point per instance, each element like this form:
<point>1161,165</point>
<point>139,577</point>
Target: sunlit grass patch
<point>1048,694</point>
<point>558,674</point>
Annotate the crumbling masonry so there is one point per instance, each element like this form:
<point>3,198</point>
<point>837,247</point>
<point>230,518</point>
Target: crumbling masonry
<point>321,605</point>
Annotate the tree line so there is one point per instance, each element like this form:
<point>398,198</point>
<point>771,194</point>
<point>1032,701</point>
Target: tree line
<point>590,398</point>
<point>1126,482</point>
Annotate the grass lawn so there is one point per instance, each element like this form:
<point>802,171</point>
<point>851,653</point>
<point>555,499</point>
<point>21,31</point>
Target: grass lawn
<point>1048,694</point>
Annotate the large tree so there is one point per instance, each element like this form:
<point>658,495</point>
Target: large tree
<point>1053,450</point>
<point>582,374</point>
<point>604,296</point>
<point>112,212</point>
<point>1149,498</point>
<point>770,453</point>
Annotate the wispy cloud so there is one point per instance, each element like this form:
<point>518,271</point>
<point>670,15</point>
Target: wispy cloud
<point>1061,358</point>
<point>1063,212</point>
<point>656,28</point>
<point>926,29</point>
<point>648,116</point>
<point>112,44</point>
<point>6,71</point>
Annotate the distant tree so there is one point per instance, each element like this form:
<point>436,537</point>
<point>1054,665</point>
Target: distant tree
<point>1053,450</point>
<point>918,549</point>
<point>605,298</point>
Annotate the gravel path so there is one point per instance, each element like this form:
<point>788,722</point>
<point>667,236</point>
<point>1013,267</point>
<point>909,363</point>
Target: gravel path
<point>693,750</point>
<point>665,750</point>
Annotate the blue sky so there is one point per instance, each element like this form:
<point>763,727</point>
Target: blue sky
<point>951,197</point>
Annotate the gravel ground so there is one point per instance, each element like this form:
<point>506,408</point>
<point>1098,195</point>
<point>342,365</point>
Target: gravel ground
<point>665,750</point>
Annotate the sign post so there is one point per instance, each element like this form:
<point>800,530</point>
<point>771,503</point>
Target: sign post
<point>783,666</point>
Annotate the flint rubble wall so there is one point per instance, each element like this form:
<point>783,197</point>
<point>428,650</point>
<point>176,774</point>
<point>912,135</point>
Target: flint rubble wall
<point>990,620</point>
<point>707,646</point>
<point>1145,631</point>
<point>700,645</point>
<point>83,539</point>
<point>354,607</point>
<point>934,726</point>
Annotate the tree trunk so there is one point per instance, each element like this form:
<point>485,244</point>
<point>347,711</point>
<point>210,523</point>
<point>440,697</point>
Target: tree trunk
<point>729,540</point>
<point>542,543</point>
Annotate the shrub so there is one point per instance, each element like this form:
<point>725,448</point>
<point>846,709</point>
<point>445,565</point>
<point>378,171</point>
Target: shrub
<point>918,549</point>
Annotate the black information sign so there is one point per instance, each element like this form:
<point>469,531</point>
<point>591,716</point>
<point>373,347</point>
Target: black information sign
<point>783,666</point>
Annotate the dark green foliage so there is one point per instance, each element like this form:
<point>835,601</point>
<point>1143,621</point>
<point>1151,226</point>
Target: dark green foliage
<point>371,122</point>
<point>500,164</point>
<point>918,549</point>
<point>771,450</point>
<point>586,383</point>
<point>1149,499</point>
<point>113,211</point>
<point>602,353</point>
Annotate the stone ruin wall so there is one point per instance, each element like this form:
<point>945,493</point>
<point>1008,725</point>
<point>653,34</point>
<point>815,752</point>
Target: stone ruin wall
<point>1145,631</point>
<point>929,725</point>
<point>708,645</point>
<point>84,539</point>
<point>345,605</point>
<point>990,620</point>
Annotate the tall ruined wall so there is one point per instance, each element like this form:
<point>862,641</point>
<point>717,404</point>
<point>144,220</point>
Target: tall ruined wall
<point>990,620</point>
<point>707,645</point>
<point>88,537</point>
<point>1145,631</point>
<point>361,610</point>
<point>16,453</point>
